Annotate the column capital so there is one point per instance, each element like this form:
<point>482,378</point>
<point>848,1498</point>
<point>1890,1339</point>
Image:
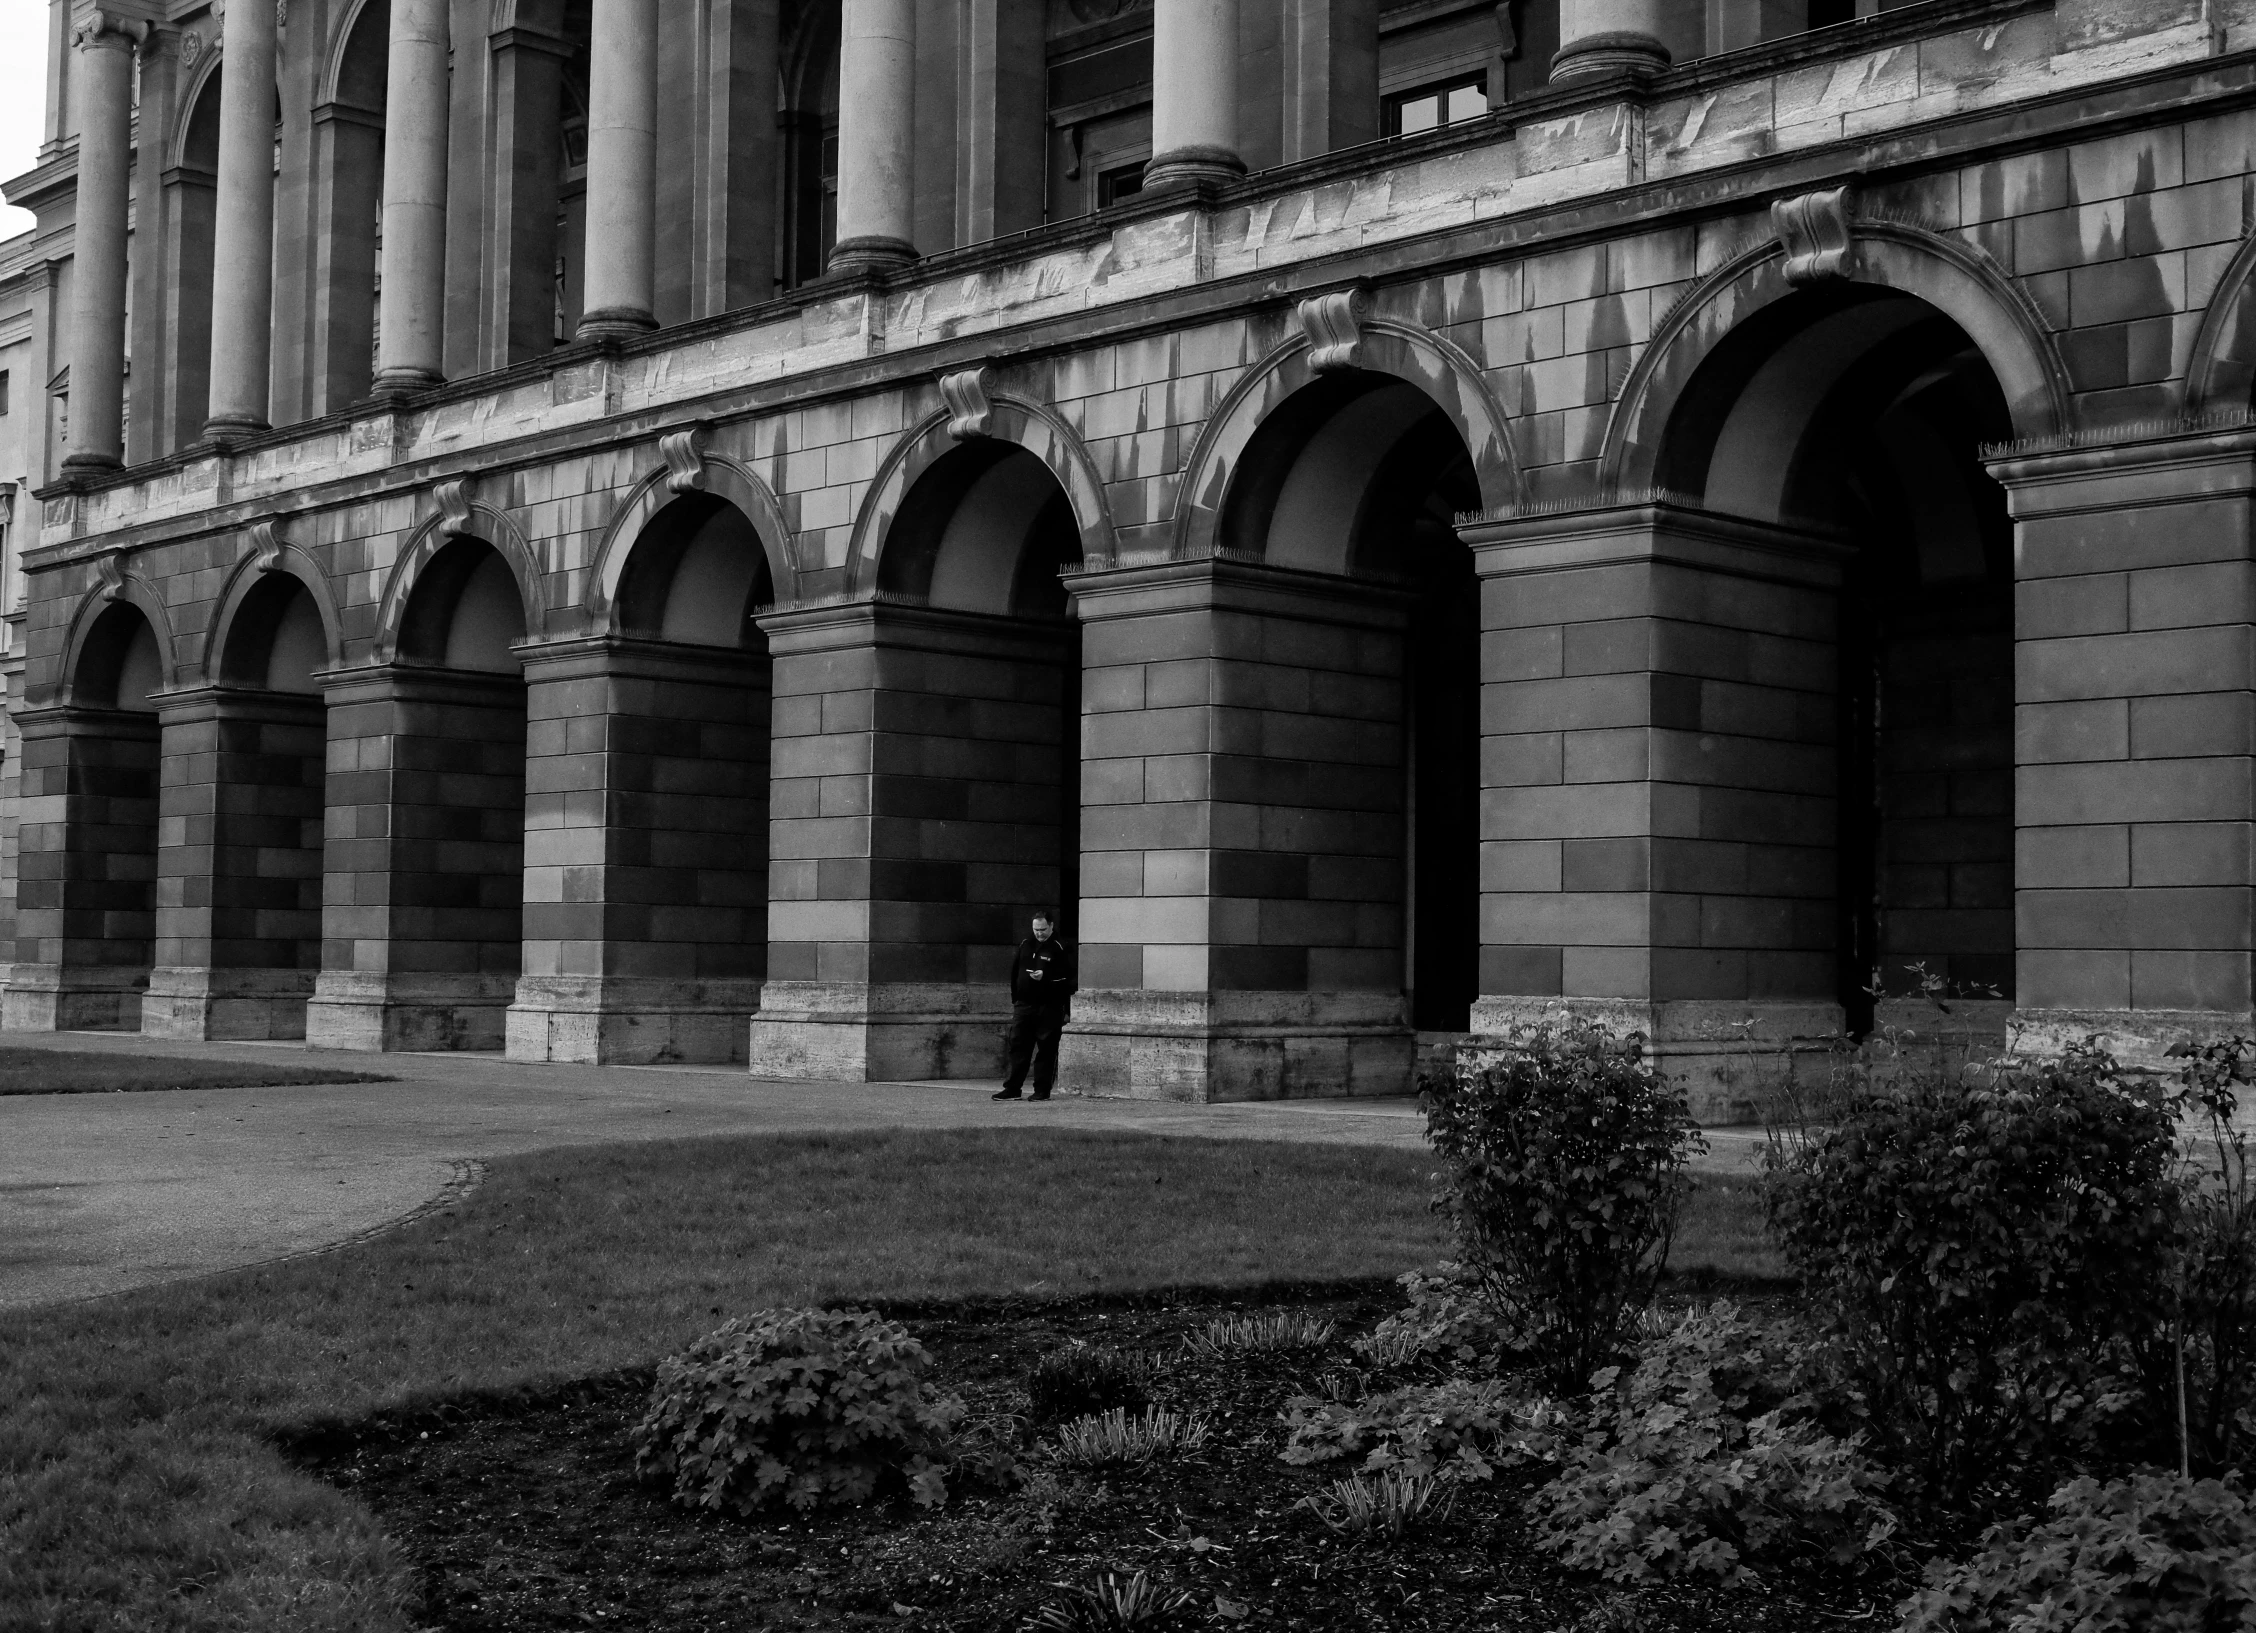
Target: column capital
<point>110,31</point>
<point>1239,582</point>
<point>1655,530</point>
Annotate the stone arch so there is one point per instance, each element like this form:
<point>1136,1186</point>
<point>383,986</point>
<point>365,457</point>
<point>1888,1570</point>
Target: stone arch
<point>488,526</point>
<point>255,569</point>
<point>716,475</point>
<point>1956,280</point>
<point>185,133</point>
<point>124,590</point>
<point>339,71</point>
<point>2221,370</point>
<point>1443,371</point>
<point>1009,419</point>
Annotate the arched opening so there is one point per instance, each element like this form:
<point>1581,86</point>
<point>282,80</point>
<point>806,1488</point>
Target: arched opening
<point>810,145</point>
<point>647,870</point>
<point>348,200</point>
<point>190,192</point>
<point>1359,475</point>
<point>458,787</point>
<point>1855,415</point>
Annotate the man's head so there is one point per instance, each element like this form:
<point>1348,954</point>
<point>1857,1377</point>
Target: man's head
<point>1045,924</point>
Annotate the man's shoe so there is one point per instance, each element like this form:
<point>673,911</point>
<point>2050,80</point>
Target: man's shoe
<point>1011,1094</point>
<point>1041,1096</point>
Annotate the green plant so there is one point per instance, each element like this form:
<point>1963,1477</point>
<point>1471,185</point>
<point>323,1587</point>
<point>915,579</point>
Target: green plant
<point>1114,1439</point>
<point>1564,1160</point>
<point>1464,1426</point>
<point>811,1408</point>
<point>2213,1339</point>
<point>1692,1465</point>
<point>1261,1334</point>
<point>1388,1505</point>
<point>1080,1379</point>
<point>2150,1554</point>
<point>1108,1603</point>
<point>1447,1320</point>
<point>1984,1254</point>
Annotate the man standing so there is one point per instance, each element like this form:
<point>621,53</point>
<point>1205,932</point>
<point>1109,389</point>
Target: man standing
<point>1042,981</point>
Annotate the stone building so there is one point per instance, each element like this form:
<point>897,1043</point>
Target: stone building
<point>649,530</point>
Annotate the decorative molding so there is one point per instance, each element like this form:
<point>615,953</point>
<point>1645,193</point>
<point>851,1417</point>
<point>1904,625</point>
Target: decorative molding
<point>104,28</point>
<point>1334,324</point>
<point>110,569</point>
<point>1815,232</point>
<point>454,503</point>
<point>269,539</point>
<point>970,413</point>
<point>684,453</point>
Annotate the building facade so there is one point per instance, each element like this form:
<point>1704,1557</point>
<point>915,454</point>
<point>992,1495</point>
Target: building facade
<point>646,530</point>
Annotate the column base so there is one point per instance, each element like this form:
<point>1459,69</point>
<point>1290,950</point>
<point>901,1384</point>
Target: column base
<point>870,254</point>
<point>90,464</point>
<point>352,1010</point>
<point>2138,1038</point>
<point>393,383</point>
<point>239,1005</point>
<point>1216,1046</point>
<point>1613,53</point>
<point>225,428</point>
<point>60,998</point>
<point>1739,1059</point>
<point>612,323</point>
<point>1193,167</point>
<point>617,1020</point>
<point>879,1032</point>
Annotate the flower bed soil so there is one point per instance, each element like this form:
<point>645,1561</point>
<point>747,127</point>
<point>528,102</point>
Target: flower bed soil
<point>523,1513</point>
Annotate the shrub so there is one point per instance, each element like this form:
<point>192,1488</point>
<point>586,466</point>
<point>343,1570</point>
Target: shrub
<point>2152,1554</point>
<point>1389,1505</point>
<point>1564,1173</point>
<point>2216,1269</point>
<point>810,1408</point>
<point>1447,1321</point>
<point>1982,1252</point>
<point>1465,1427</point>
<point>1109,1603</point>
<point>1114,1439</point>
<point>1261,1334</point>
<point>1079,1380</point>
<point>1684,1472</point>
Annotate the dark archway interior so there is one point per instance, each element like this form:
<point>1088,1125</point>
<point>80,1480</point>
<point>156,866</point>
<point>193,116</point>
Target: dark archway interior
<point>1361,474</point>
<point>698,574</point>
<point>1860,414</point>
<point>106,891</point>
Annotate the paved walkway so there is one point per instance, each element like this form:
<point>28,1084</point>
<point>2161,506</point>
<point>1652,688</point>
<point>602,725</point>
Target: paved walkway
<point>103,1192</point>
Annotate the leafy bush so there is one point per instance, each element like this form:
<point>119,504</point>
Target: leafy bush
<point>2216,1264</point>
<point>1387,1506</point>
<point>810,1408</point>
<point>1261,1334</point>
<point>1464,1427</point>
<point>1078,1380</point>
<point>1564,1175</point>
<point>1447,1321</point>
<point>1114,1439</point>
<point>1982,1253</point>
<point>2153,1554</point>
<point>1683,1472</point>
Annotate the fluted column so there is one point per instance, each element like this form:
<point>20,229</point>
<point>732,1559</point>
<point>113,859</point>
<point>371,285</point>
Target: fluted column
<point>876,136</point>
<point>622,207</point>
<point>1603,36</point>
<point>1194,93</point>
<point>97,362</point>
<point>411,307</point>
<point>243,225</point>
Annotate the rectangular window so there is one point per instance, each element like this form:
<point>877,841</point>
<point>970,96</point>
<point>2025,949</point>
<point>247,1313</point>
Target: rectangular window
<point>1429,107</point>
<point>1121,182</point>
<point>3,391</point>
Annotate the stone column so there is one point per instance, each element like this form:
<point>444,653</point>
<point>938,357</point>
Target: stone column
<point>153,262</point>
<point>87,865</point>
<point>105,123</point>
<point>718,148</point>
<point>1658,812</point>
<point>1194,93</point>
<point>1001,148</point>
<point>422,909</point>
<point>1607,36</point>
<point>2134,806</point>
<point>646,843</point>
<point>622,180</point>
<point>411,303</point>
<point>239,849</point>
<point>1242,835</point>
<point>876,137</point>
<point>243,226</point>
<point>1330,84</point>
<point>914,827</point>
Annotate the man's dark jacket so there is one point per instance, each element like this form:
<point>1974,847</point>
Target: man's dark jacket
<point>1059,977</point>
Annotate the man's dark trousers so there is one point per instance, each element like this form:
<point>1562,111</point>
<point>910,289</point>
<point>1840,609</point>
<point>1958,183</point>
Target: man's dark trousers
<point>1034,1038</point>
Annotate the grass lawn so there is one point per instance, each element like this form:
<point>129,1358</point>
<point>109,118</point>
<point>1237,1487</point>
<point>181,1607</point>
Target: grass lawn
<point>60,1071</point>
<point>138,1489</point>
